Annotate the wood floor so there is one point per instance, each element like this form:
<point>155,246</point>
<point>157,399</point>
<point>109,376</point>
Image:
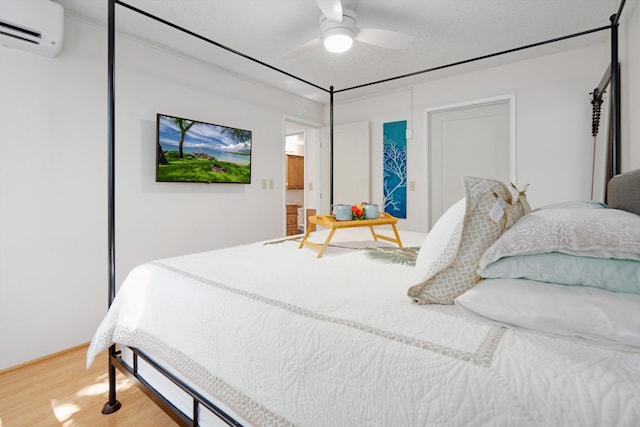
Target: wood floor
<point>60,391</point>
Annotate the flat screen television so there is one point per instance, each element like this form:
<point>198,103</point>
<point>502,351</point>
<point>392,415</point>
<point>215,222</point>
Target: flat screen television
<point>193,151</point>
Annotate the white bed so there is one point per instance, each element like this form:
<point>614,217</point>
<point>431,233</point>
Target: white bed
<point>279,337</point>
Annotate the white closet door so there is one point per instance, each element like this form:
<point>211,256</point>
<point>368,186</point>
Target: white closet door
<point>351,163</point>
<point>471,140</point>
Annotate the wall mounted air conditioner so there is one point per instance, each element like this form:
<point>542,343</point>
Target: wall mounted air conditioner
<point>35,26</point>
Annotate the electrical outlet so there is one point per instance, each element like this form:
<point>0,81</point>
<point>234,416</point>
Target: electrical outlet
<point>270,184</point>
<point>264,184</point>
<point>311,186</point>
<point>412,186</point>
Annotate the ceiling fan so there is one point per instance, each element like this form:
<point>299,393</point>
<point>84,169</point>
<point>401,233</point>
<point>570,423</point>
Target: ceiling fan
<point>339,28</point>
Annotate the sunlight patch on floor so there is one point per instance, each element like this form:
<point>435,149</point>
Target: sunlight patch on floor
<point>102,388</point>
<point>123,385</point>
<point>63,410</point>
<point>93,390</point>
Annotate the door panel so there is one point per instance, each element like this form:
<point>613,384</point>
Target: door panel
<point>351,163</point>
<point>472,141</point>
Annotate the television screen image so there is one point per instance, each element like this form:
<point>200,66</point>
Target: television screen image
<point>194,151</point>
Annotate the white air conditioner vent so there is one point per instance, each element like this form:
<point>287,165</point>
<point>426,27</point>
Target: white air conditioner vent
<point>35,26</point>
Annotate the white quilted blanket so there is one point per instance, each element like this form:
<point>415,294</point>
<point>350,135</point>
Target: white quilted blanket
<point>285,338</point>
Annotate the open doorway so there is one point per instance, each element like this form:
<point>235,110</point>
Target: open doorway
<point>302,172</point>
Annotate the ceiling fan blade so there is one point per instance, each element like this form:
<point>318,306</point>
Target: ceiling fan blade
<point>302,48</point>
<point>331,9</point>
<point>384,38</point>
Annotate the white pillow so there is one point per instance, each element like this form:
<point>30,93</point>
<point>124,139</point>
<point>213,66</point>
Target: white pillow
<point>448,268</point>
<point>595,314</point>
<point>438,238</point>
<point>598,233</point>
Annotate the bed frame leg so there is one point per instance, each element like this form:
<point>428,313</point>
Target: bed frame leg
<point>113,404</point>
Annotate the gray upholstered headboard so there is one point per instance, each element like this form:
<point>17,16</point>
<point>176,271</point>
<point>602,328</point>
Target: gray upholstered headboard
<point>623,192</point>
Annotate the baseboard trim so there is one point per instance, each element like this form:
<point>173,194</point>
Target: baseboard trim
<point>43,358</point>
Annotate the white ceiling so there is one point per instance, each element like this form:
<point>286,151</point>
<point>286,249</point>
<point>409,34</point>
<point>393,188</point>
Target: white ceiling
<point>445,31</point>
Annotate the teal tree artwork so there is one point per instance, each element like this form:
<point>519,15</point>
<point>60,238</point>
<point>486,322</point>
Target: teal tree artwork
<point>395,168</point>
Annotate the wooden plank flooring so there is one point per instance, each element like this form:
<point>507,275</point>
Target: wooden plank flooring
<point>60,391</point>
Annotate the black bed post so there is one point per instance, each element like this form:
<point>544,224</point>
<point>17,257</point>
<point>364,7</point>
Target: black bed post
<point>615,98</point>
<point>331,147</point>
<point>113,404</point>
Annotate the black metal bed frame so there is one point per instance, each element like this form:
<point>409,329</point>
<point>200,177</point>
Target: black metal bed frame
<point>611,78</point>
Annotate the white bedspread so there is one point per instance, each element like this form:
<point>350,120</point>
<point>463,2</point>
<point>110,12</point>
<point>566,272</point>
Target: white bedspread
<point>285,338</point>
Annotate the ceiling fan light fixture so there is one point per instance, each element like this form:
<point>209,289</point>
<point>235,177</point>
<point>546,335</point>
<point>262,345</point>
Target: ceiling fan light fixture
<point>338,36</point>
<point>338,42</point>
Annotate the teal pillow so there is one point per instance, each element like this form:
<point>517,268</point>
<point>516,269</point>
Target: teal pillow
<point>617,275</point>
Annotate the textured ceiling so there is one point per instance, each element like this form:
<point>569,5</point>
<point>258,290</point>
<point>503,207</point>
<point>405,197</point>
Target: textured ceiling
<point>445,31</point>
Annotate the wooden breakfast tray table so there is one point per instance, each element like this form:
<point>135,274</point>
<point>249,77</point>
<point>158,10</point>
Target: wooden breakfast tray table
<point>329,221</point>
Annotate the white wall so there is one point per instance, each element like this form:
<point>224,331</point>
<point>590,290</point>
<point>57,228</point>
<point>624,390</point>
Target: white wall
<point>553,134</point>
<point>630,81</point>
<point>53,178</point>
